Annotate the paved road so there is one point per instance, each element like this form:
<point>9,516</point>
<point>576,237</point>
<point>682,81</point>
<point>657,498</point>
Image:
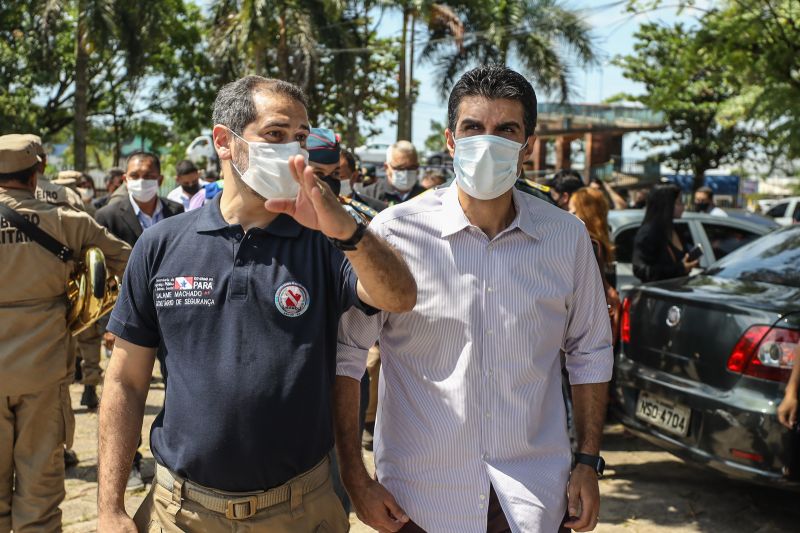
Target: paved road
<point>646,490</point>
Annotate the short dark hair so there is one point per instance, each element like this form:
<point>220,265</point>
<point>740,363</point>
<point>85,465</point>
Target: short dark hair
<point>22,176</point>
<point>146,155</point>
<point>494,82</point>
<point>567,181</point>
<point>350,157</point>
<point>184,167</point>
<point>114,172</point>
<point>211,175</point>
<point>707,190</point>
<point>234,106</point>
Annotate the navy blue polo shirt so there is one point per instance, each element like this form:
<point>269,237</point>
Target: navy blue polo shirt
<point>246,325</point>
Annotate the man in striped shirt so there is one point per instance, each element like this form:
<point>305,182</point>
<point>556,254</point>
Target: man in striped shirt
<point>471,432</point>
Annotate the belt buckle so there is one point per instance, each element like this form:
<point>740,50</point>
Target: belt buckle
<point>230,507</point>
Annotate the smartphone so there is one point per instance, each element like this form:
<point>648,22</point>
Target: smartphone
<point>695,252</point>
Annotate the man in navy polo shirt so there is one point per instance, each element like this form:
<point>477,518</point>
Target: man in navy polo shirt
<point>264,271</point>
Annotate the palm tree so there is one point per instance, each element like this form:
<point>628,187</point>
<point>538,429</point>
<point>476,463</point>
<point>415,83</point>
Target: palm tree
<point>440,19</point>
<point>540,35</point>
<point>270,37</point>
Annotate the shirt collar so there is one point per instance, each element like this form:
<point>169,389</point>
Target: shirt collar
<point>137,209</point>
<point>454,219</point>
<point>210,219</point>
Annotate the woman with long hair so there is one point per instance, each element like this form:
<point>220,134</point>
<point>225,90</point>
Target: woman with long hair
<point>590,205</point>
<point>658,252</point>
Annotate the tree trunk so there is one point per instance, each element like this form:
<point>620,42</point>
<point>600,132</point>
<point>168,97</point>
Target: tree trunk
<point>699,177</point>
<point>402,93</point>
<point>283,48</point>
<point>80,127</point>
<point>410,85</point>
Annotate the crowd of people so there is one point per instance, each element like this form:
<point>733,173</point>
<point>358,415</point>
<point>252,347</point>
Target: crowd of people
<point>419,337</point>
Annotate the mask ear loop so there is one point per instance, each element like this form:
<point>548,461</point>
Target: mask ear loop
<point>247,143</point>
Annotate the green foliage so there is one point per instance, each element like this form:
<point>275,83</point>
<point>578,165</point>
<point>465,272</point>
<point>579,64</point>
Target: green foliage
<point>435,141</point>
<point>543,36</point>
<point>329,48</point>
<point>682,80</point>
<point>146,61</point>
<point>756,44</point>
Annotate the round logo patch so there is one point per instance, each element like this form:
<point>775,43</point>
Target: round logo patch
<point>291,299</point>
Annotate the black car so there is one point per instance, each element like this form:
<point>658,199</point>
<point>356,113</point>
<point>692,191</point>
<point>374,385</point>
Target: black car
<point>704,361</point>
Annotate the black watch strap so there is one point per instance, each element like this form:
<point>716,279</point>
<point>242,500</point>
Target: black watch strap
<point>350,244</point>
<point>595,461</point>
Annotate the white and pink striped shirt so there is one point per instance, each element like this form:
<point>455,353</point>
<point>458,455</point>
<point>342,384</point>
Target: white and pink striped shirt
<point>470,386</point>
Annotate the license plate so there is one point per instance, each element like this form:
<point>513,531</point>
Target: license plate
<point>664,414</point>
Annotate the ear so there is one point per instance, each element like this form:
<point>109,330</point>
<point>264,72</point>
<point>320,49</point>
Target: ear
<point>528,151</point>
<point>223,142</point>
<point>450,142</point>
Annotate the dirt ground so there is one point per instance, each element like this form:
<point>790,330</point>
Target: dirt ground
<point>645,490</point>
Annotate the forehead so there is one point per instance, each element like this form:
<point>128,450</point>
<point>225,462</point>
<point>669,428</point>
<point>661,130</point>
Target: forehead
<point>400,158</point>
<point>141,165</point>
<point>325,168</point>
<point>277,108</point>
<point>490,111</point>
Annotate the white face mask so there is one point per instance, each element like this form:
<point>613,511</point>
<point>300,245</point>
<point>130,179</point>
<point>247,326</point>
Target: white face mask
<point>404,180</point>
<point>142,190</point>
<point>268,170</point>
<point>486,165</point>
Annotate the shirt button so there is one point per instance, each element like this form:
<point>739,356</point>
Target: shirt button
<point>490,289</point>
<point>239,262</point>
<point>487,414</point>
<point>480,506</point>
<point>483,496</point>
<point>485,457</point>
<point>490,372</point>
<point>238,236</point>
<point>489,331</point>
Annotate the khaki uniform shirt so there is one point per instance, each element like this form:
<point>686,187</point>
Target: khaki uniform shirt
<point>52,193</point>
<point>34,339</point>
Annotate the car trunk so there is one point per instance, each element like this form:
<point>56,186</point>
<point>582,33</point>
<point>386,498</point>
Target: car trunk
<point>689,328</point>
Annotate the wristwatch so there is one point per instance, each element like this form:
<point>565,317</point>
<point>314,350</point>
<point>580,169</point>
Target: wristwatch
<point>350,244</point>
<point>595,461</point>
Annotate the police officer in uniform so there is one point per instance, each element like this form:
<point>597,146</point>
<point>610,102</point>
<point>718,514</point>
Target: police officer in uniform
<point>34,341</point>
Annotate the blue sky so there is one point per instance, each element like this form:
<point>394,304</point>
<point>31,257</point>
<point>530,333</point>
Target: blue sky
<point>613,28</point>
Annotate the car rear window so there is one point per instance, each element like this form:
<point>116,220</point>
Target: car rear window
<point>774,258</point>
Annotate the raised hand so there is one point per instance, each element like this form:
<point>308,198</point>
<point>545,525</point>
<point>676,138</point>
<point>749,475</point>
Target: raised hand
<point>316,206</point>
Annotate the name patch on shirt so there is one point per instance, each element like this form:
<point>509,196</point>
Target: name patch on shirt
<point>291,299</point>
<point>184,290</point>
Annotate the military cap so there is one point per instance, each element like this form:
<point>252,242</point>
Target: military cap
<point>17,152</point>
<point>38,142</point>
<point>68,178</point>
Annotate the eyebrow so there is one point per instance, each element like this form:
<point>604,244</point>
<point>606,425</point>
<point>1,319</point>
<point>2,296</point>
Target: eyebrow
<point>509,124</point>
<point>471,122</point>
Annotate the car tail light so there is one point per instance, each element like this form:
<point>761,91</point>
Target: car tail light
<point>765,352</point>
<point>625,323</point>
